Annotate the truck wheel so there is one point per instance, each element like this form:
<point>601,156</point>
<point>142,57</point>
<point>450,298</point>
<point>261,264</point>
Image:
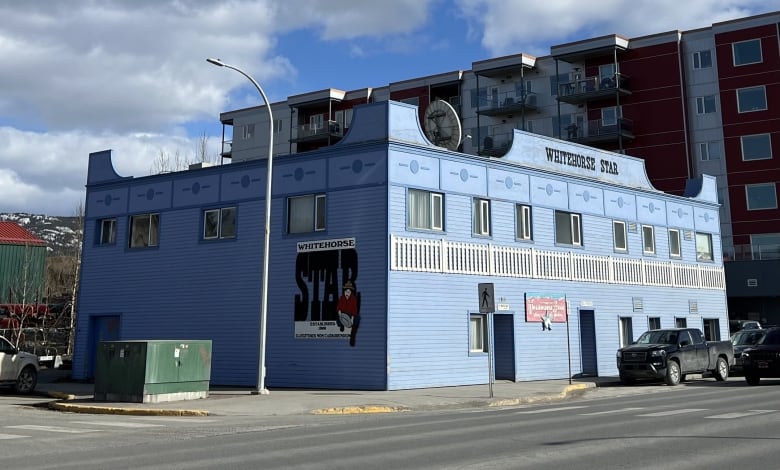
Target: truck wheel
<point>752,379</point>
<point>26,381</point>
<point>721,371</point>
<point>672,373</point>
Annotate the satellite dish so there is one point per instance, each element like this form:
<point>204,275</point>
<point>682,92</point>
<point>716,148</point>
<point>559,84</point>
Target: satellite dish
<point>442,126</point>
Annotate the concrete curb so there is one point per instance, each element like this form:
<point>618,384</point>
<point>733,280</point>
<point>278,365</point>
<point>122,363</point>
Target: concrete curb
<point>111,410</point>
<point>565,393</point>
<point>361,409</point>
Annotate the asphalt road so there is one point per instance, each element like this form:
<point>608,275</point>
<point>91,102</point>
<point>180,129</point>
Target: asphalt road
<point>700,424</point>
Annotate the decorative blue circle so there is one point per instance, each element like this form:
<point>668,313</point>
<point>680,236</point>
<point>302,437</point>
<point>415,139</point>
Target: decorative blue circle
<point>195,187</point>
<point>107,200</point>
<point>651,207</point>
<point>357,166</point>
<point>298,174</point>
<point>548,189</point>
<point>414,167</point>
<point>620,202</point>
<point>464,175</point>
<point>150,194</point>
<point>586,196</point>
<point>509,182</point>
<point>245,181</point>
<point>680,213</point>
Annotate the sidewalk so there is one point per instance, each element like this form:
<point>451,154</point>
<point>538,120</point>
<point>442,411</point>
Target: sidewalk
<point>78,397</point>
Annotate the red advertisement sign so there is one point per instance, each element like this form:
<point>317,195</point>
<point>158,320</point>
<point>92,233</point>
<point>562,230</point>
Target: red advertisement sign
<point>539,306</point>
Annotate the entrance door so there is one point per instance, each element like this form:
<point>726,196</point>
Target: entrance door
<point>101,328</point>
<point>588,343</point>
<point>504,346</point>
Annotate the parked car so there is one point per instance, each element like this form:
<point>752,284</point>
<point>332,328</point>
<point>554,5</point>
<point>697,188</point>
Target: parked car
<point>672,353</point>
<point>742,340</point>
<point>18,369</point>
<point>763,359</point>
<point>739,325</point>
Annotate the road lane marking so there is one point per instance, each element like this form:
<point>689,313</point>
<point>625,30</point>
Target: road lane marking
<point>550,410</point>
<point>11,436</point>
<point>34,427</point>
<point>177,420</point>
<point>672,412</point>
<point>120,424</point>
<point>620,410</point>
<point>740,414</point>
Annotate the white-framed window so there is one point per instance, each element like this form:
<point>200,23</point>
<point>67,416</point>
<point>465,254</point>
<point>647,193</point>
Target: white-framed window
<point>654,323</point>
<point>703,246</point>
<point>306,213</point>
<point>277,126</point>
<point>248,131</point>
<point>626,331</point>
<point>144,230</point>
<point>523,227</point>
<point>751,99</point>
<point>481,216</point>
<point>705,104</point>
<point>702,59</point>
<point>619,237</point>
<point>425,210</point>
<point>316,121</point>
<point>756,147</point>
<point>108,231</point>
<point>761,196</point>
<point>607,78</point>
<point>219,223</point>
<point>710,151</point>
<point>675,246</point>
<point>648,239</point>
<point>568,230</point>
<point>747,52</point>
<point>478,334</point>
<point>610,115</point>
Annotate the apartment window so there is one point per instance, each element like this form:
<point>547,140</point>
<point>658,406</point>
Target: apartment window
<point>710,151</point>
<point>248,131</point>
<point>219,223</point>
<point>555,80</point>
<point>703,246</point>
<point>747,52</point>
<point>751,99</point>
<point>108,231</point>
<point>765,245</point>
<point>711,329</point>
<point>619,235</point>
<point>277,126</point>
<point>705,104</point>
<point>481,212</point>
<point>675,250</point>
<point>348,118</point>
<point>654,323</point>
<point>144,230</point>
<point>680,322</point>
<point>756,147</point>
<point>702,59</point>
<point>306,213</point>
<point>626,331</point>
<point>478,97</point>
<point>523,222</point>
<point>610,116</point>
<point>478,337</point>
<point>607,76</point>
<point>426,210</point>
<point>568,230</point>
<point>648,239</point>
<point>761,196</point>
<point>316,121</point>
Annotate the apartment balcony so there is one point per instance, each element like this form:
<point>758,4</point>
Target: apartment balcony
<point>751,252</point>
<point>593,88</point>
<point>507,104</point>
<point>227,149</point>
<point>495,145</point>
<point>598,131</point>
<point>326,131</point>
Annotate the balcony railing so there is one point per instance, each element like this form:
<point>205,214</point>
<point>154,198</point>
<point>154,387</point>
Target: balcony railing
<point>589,88</point>
<point>496,144</point>
<point>506,103</point>
<point>752,252</point>
<point>317,131</point>
<point>599,130</point>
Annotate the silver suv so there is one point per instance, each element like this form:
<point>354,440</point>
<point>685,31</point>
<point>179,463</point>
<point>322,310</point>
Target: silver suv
<point>17,368</point>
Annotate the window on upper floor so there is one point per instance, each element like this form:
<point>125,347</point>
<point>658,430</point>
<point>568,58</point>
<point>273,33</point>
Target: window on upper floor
<point>108,231</point>
<point>556,81</point>
<point>144,230</point>
<point>619,237</point>
<point>747,52</point>
<point>680,322</point>
<point>756,147</point>
<point>751,99</point>
<point>277,126</point>
<point>481,216</point>
<point>316,121</point>
<point>219,223</point>
<point>675,246</point>
<point>306,213</point>
<point>478,335</point>
<point>705,104</point>
<point>765,245</point>
<point>761,196</point>
<point>654,323</point>
<point>703,246</point>
<point>607,77</point>
<point>648,239</point>
<point>568,230</point>
<point>248,131</point>
<point>610,115</point>
<point>710,151</point>
<point>523,227</point>
<point>425,210</point>
<point>702,59</point>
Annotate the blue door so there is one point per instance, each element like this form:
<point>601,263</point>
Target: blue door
<point>101,328</point>
<point>588,343</point>
<point>504,346</point>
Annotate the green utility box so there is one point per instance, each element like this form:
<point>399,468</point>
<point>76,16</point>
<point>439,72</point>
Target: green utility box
<point>152,371</point>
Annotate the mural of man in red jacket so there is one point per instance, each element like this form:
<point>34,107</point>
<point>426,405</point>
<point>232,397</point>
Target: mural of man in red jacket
<point>349,311</point>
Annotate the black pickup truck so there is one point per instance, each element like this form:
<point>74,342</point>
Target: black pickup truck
<point>671,354</point>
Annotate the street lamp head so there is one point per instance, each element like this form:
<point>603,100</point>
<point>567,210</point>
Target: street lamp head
<point>216,62</point>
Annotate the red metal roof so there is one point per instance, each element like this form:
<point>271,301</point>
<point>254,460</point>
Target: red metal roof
<point>12,233</point>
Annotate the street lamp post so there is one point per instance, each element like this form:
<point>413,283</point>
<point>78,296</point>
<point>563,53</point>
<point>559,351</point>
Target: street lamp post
<point>260,389</point>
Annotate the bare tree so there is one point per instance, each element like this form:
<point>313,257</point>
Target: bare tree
<point>75,289</point>
<point>25,295</point>
<point>166,163</point>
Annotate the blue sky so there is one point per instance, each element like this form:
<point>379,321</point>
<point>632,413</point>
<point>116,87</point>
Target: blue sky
<point>88,75</point>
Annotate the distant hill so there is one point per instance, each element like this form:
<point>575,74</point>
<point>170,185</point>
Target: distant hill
<point>60,233</point>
